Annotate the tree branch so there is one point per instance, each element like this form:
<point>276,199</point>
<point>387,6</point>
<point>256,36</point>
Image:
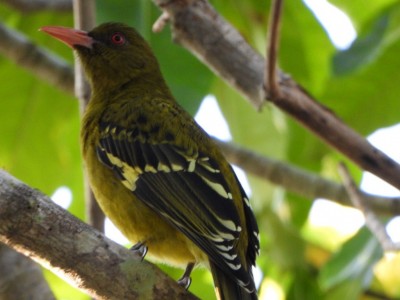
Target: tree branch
<point>40,62</point>
<point>199,28</point>
<point>302,182</point>
<point>371,220</point>
<point>85,19</point>
<point>32,224</point>
<point>38,5</point>
<point>271,65</point>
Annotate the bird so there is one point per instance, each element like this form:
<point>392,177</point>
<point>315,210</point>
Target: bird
<point>156,174</point>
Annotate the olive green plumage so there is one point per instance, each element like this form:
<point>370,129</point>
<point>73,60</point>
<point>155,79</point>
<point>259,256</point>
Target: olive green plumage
<point>156,174</point>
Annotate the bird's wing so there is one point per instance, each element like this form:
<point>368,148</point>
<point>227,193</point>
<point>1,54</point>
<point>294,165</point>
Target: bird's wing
<point>253,247</point>
<point>185,187</point>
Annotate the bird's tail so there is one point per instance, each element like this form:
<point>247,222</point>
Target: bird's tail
<point>228,289</point>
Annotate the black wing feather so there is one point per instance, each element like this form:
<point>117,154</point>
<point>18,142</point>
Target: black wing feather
<point>188,198</point>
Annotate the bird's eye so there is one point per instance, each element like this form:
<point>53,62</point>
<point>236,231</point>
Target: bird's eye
<point>118,39</point>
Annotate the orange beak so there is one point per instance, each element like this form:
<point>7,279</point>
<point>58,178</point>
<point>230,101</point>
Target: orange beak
<point>69,36</point>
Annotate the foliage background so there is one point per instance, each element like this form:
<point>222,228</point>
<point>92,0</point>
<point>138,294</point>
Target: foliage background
<point>39,130</point>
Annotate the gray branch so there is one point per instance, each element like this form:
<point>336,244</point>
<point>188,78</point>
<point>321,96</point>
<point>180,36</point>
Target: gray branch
<point>302,182</point>
<point>22,51</point>
<point>32,224</point>
<point>372,221</point>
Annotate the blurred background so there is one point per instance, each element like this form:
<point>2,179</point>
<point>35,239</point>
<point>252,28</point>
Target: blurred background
<point>344,53</point>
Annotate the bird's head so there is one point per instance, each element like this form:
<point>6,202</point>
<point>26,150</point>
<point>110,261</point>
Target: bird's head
<point>112,54</point>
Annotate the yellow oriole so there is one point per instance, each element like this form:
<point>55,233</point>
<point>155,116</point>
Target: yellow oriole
<point>155,173</point>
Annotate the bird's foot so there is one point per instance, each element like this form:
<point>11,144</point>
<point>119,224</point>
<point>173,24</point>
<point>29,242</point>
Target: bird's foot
<point>140,249</point>
<point>185,280</point>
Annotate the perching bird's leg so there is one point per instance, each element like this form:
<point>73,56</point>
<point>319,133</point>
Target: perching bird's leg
<point>185,280</point>
<point>139,249</point>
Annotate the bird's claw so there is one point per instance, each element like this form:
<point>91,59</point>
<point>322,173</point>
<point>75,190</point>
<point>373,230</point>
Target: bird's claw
<point>185,282</point>
<point>140,249</point>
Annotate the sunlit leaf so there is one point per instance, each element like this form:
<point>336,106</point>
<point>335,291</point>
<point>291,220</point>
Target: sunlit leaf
<point>360,11</point>
<point>354,261</point>
<point>363,50</point>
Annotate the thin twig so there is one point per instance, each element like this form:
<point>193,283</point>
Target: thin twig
<point>301,182</point>
<point>271,75</point>
<point>22,51</point>
<point>160,23</point>
<point>85,19</point>
<point>371,220</point>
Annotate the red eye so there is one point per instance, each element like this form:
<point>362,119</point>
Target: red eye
<point>118,39</point>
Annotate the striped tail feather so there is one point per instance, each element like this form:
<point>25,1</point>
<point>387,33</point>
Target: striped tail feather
<point>227,288</point>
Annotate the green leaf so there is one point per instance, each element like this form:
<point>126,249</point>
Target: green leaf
<point>40,134</point>
<point>305,49</point>
<point>286,246</point>
<point>369,99</point>
<point>304,286</point>
<point>129,12</point>
<point>360,11</point>
<point>354,261</point>
<point>363,50</point>
<point>349,289</point>
<point>62,290</point>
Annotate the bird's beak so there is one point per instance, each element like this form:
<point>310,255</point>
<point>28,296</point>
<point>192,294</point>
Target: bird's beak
<point>71,37</point>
